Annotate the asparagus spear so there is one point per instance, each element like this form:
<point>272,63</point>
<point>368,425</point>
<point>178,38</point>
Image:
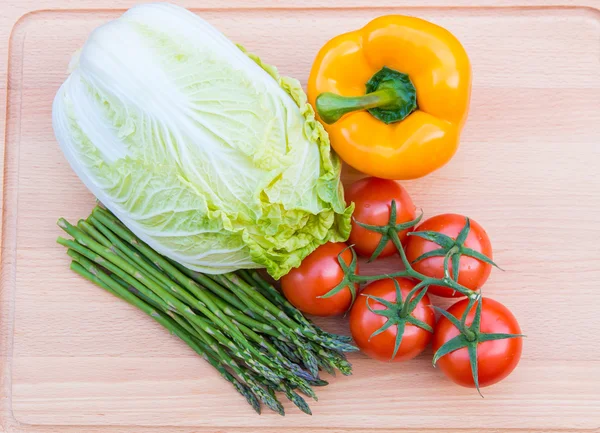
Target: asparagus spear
<point>294,375</point>
<point>326,359</point>
<point>271,368</point>
<point>257,281</point>
<point>107,238</point>
<point>204,302</point>
<point>336,342</point>
<point>153,291</point>
<point>235,321</point>
<point>225,295</point>
<point>294,326</point>
<point>84,264</point>
<point>168,324</point>
<point>262,305</point>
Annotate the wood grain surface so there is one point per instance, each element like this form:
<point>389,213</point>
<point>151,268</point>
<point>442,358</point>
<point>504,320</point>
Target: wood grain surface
<point>75,359</point>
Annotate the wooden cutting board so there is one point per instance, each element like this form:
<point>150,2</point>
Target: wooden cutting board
<point>74,359</point>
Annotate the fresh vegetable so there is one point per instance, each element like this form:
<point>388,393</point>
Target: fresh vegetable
<point>243,326</point>
<point>390,321</point>
<point>394,95</point>
<point>314,286</point>
<point>452,241</point>
<point>203,151</point>
<point>477,347</point>
<point>372,198</point>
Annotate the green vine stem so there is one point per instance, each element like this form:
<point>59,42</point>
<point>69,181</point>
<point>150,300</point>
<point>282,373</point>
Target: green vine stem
<point>390,230</point>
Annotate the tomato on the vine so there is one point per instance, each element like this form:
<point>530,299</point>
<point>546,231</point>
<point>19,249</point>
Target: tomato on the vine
<point>390,321</point>
<point>372,198</point>
<point>311,286</point>
<point>456,240</point>
<point>477,346</point>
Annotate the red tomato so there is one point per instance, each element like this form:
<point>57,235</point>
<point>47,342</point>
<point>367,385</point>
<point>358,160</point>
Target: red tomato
<point>363,322</point>
<point>319,273</point>
<point>372,198</point>
<point>473,272</point>
<point>496,359</point>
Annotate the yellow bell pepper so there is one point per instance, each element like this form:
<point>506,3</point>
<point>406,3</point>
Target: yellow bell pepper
<point>393,95</point>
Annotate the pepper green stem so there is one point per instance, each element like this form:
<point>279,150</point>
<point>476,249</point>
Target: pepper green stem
<point>332,107</point>
<point>390,97</point>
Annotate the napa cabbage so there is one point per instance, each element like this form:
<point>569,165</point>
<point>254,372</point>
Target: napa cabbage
<point>202,150</point>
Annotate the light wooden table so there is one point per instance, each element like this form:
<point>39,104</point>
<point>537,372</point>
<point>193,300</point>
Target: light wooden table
<point>74,359</point>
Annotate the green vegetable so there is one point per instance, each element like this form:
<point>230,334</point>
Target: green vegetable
<point>236,321</point>
<point>203,151</point>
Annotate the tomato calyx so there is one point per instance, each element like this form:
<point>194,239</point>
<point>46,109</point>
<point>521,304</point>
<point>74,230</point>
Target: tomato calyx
<point>399,313</point>
<point>389,231</point>
<point>350,279</point>
<point>451,249</point>
<point>470,336</point>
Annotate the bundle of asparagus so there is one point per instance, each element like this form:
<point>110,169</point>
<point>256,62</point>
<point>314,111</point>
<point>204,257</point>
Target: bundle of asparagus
<point>238,322</point>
